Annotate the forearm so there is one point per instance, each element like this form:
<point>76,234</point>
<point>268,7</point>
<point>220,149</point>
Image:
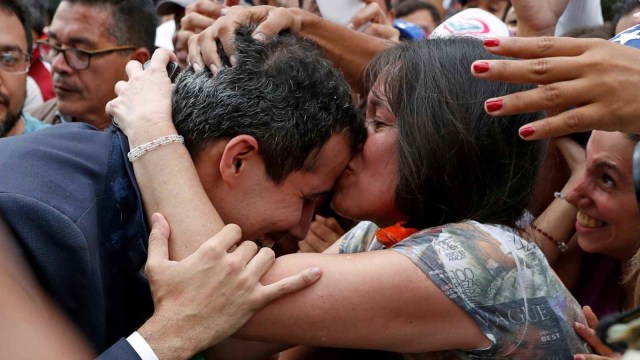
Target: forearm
<point>349,50</point>
<point>181,199</point>
<point>232,349</point>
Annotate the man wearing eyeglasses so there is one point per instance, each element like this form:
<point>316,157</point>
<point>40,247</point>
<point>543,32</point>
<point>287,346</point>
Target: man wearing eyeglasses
<point>15,40</point>
<point>89,45</point>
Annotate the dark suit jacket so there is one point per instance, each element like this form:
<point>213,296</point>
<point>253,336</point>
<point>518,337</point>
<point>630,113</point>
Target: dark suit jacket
<point>70,198</point>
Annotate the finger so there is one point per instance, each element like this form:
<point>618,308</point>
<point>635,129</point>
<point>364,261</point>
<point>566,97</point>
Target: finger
<point>589,357</point>
<point>561,95</point>
<point>304,247</point>
<point>323,232</point>
<point>316,244</point>
<point>196,22</point>
<point>289,285</point>
<point>538,47</point>
<point>195,56</point>
<point>160,59</point>
<point>591,317</point>
<point>133,67</point>
<point>246,251</point>
<point>333,224</point>
<point>119,87</point>
<point>260,263</point>
<point>589,335</point>
<point>535,71</point>
<point>367,14</point>
<point>220,243</point>
<point>272,22</point>
<point>205,7</point>
<point>203,49</point>
<point>158,247</point>
<point>576,120</point>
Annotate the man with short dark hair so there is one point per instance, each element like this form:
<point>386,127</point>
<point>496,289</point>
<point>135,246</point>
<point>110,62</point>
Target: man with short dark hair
<point>268,136</point>
<point>15,42</point>
<point>90,42</point>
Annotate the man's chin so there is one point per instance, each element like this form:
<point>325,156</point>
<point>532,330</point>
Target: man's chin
<point>8,122</point>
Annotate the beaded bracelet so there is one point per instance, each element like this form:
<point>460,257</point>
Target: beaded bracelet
<point>562,246</point>
<point>140,150</point>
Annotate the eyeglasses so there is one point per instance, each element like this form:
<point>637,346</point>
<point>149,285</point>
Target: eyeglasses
<point>76,58</point>
<point>14,61</point>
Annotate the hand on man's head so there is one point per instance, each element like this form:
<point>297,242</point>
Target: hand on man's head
<point>208,296</point>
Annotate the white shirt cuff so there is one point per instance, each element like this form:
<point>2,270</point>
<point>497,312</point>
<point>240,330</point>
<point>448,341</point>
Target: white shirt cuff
<point>140,345</point>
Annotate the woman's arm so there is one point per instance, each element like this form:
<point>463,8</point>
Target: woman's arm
<point>375,300</point>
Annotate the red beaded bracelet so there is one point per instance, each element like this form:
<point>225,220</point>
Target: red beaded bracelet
<point>562,246</point>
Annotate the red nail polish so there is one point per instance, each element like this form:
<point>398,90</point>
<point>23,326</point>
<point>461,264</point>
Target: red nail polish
<point>527,131</point>
<point>481,67</point>
<point>491,42</point>
<point>493,105</point>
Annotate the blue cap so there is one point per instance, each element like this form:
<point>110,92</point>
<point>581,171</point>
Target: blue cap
<point>408,30</point>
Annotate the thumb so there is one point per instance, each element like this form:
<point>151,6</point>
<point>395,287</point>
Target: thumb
<point>158,239</point>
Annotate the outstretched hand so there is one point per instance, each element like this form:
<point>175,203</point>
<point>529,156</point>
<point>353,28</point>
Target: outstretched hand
<point>270,20</point>
<point>591,83</point>
<point>208,296</point>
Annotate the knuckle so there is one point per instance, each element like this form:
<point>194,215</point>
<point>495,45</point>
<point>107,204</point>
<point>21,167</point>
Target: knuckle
<point>572,120</point>
<point>551,93</point>
<point>539,67</point>
<point>545,43</point>
<point>267,253</point>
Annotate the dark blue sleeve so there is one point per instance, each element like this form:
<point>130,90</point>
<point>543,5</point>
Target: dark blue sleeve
<point>121,350</point>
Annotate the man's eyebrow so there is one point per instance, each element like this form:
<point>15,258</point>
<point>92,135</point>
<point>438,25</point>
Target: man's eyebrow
<point>608,165</point>
<point>74,40</point>
<point>8,47</point>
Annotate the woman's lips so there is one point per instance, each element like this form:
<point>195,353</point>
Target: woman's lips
<point>589,222</point>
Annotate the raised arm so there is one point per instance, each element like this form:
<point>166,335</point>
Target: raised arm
<point>349,50</point>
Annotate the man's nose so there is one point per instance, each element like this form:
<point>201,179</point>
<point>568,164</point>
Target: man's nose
<point>60,65</point>
<point>302,228</point>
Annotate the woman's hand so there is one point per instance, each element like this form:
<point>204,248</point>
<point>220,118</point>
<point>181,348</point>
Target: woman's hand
<point>323,232</point>
<point>588,334</point>
<point>142,108</point>
<point>575,157</point>
<point>592,83</point>
<point>198,16</point>
<point>203,49</point>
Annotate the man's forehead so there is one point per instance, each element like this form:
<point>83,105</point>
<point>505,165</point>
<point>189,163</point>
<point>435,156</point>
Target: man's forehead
<point>82,24</point>
<point>11,37</point>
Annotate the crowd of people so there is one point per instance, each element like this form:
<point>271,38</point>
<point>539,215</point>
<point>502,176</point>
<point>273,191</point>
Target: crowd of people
<point>379,179</point>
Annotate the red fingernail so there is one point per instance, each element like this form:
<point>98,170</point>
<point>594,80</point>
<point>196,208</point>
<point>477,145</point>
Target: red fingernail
<point>493,105</point>
<point>481,67</point>
<point>527,131</point>
<point>491,42</point>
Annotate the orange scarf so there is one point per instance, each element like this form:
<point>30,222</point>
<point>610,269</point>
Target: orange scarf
<point>394,234</point>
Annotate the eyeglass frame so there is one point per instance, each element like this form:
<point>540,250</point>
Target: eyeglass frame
<point>27,59</point>
<point>89,53</point>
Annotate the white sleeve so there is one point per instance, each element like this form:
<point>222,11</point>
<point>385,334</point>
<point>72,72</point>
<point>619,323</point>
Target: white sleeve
<point>140,345</point>
<point>580,13</point>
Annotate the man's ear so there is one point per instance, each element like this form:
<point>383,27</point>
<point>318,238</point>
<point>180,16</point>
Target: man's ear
<point>140,54</point>
<point>237,153</point>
